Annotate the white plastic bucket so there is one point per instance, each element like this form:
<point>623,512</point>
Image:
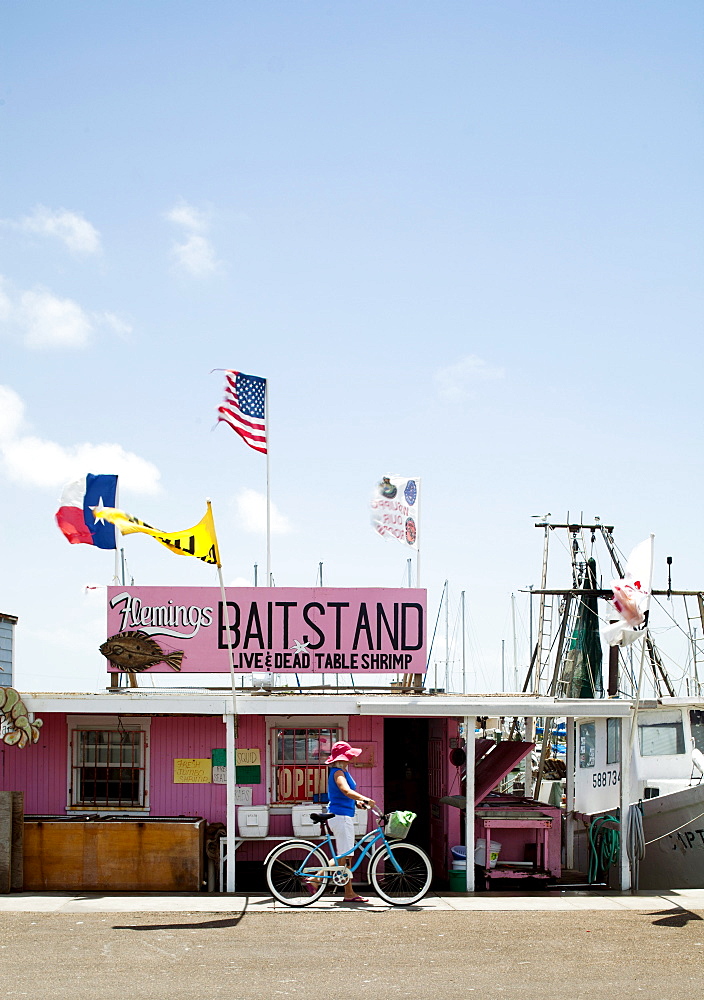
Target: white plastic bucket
<point>459,866</point>
<point>480,853</point>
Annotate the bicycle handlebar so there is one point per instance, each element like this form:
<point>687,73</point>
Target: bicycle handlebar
<point>382,816</point>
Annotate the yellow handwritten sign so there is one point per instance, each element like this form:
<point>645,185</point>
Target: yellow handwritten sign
<point>249,758</point>
<point>192,771</point>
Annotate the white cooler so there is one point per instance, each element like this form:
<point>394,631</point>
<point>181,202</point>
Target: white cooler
<point>303,825</point>
<point>253,821</point>
<point>361,820</point>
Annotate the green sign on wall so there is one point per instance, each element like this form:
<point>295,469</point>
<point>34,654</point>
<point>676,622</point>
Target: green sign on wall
<point>248,770</point>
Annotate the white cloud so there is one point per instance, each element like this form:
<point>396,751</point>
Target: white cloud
<point>43,320</point>
<point>48,321</point>
<point>5,303</point>
<point>195,254</point>
<point>457,381</point>
<point>35,461</point>
<point>74,231</point>
<point>251,507</point>
<point>240,581</point>
<point>11,413</point>
<point>189,217</point>
<point>116,324</point>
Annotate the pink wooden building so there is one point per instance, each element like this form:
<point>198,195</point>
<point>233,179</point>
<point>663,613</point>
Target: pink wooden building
<point>148,756</point>
<point>143,756</point>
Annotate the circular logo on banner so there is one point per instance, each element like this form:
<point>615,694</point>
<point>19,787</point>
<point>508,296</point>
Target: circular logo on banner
<point>410,531</point>
<point>410,492</point>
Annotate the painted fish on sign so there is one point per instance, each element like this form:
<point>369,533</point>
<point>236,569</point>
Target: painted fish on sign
<point>136,651</point>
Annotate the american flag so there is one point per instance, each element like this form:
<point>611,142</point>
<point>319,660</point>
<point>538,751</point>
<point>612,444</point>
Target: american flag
<point>244,408</point>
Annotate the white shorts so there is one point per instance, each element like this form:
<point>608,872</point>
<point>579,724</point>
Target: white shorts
<point>342,829</point>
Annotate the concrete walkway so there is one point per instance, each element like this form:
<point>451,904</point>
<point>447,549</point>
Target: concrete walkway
<point>93,902</point>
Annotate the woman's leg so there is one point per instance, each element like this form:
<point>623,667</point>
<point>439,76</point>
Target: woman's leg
<point>343,830</point>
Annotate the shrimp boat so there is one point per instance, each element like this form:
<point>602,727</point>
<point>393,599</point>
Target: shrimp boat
<point>666,748</point>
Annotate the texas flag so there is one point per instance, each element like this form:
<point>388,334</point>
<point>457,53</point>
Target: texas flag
<point>75,514</point>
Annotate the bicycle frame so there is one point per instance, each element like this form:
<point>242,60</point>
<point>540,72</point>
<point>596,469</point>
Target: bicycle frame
<point>374,837</point>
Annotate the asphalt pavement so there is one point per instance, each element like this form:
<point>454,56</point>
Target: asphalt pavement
<point>205,947</point>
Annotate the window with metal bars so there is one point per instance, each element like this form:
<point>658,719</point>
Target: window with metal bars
<point>108,769</point>
<point>299,765</point>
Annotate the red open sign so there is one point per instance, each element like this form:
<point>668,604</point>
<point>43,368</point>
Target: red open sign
<point>300,783</point>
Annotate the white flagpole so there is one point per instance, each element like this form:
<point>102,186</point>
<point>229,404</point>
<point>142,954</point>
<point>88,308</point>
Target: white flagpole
<point>418,536</point>
<point>231,733</point>
<point>268,485</point>
<point>118,537</point>
<point>231,728</point>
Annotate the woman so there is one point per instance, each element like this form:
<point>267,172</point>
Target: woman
<point>342,796</point>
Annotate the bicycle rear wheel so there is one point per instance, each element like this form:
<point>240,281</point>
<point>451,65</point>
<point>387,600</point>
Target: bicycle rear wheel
<point>289,868</point>
<point>404,887</point>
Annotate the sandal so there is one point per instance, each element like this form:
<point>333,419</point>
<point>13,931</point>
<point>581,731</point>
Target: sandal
<point>356,899</point>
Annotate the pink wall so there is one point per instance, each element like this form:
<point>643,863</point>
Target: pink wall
<point>185,736</point>
<point>370,780</point>
<point>453,816</point>
<point>39,770</point>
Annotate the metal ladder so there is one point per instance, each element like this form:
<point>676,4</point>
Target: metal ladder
<point>695,623</point>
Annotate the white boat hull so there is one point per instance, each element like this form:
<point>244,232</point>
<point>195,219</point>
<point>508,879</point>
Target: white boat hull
<point>674,835</point>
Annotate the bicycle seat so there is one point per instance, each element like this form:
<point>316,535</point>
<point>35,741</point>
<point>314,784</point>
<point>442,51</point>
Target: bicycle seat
<point>321,817</point>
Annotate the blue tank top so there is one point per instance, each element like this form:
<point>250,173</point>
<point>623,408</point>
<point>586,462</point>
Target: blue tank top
<point>338,802</point>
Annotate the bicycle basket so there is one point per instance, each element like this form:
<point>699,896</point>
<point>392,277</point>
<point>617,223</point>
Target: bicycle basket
<point>399,823</point>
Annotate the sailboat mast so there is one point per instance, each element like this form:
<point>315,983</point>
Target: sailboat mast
<point>515,648</point>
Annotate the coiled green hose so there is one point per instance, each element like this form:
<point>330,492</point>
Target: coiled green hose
<point>604,843</point>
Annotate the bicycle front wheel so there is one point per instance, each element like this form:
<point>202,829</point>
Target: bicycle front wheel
<point>400,888</point>
<point>289,868</point>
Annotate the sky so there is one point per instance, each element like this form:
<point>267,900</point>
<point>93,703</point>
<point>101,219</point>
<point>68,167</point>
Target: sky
<point>461,240</point>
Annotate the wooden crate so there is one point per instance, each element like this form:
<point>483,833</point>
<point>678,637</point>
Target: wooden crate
<point>151,855</point>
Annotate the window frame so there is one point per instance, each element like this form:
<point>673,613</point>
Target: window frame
<point>274,723</point>
<point>581,756</point>
<point>111,724</point>
<point>696,727</point>
<point>669,719</point>
<point>613,740</point>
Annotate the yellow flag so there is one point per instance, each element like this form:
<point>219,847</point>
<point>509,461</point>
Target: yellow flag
<point>199,541</point>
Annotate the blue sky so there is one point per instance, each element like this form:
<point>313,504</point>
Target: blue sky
<point>462,241</point>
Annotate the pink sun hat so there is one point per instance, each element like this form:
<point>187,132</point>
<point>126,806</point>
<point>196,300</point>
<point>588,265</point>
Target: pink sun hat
<point>342,751</point>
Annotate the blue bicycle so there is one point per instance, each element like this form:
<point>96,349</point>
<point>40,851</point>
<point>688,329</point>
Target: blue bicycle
<point>298,872</point>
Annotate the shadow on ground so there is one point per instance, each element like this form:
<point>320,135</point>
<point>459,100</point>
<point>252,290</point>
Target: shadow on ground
<point>211,925</point>
<point>677,917</point>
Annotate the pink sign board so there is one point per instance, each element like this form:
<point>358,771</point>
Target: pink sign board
<point>362,631</point>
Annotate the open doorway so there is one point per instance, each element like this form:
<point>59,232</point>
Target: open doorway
<point>406,773</point>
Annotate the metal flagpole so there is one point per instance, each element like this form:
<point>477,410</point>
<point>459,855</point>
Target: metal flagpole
<point>447,639</point>
<point>230,732</point>
<point>118,538</point>
<point>418,537</point>
<point>268,484</point>
<point>464,664</point>
<point>230,747</point>
<point>515,649</point>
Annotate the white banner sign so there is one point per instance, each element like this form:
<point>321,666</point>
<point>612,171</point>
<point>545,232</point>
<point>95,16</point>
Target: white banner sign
<point>394,509</point>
